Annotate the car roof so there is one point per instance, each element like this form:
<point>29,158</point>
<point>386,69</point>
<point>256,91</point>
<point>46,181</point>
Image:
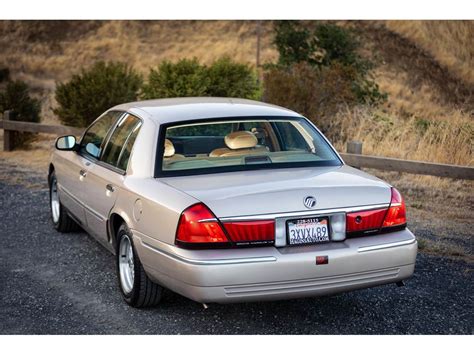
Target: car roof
<point>191,108</point>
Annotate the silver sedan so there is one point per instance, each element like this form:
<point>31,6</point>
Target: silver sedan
<point>227,200</point>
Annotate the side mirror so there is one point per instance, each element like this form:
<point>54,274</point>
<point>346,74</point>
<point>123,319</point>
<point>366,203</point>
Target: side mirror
<point>66,143</point>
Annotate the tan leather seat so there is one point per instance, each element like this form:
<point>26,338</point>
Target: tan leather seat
<point>239,143</point>
<point>169,152</point>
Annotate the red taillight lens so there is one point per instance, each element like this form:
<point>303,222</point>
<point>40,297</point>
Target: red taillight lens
<point>253,232</point>
<point>372,221</point>
<point>396,214</point>
<point>198,225</point>
<point>365,220</point>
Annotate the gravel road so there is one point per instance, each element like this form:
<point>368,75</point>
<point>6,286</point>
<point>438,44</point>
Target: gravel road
<point>53,283</point>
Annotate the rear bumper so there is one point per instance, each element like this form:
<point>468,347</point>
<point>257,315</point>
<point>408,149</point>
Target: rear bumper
<point>269,273</point>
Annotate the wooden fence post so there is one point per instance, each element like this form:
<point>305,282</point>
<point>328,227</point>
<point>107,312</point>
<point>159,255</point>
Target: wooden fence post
<point>354,147</point>
<point>8,139</point>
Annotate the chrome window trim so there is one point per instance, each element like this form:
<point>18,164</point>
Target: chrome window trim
<point>304,213</point>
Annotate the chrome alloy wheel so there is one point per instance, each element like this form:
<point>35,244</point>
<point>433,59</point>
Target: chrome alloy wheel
<point>55,206</point>
<point>126,265</point>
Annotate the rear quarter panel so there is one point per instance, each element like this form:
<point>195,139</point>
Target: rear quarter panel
<point>151,207</point>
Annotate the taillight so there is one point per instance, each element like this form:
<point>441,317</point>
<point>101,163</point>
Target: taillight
<point>373,221</point>
<point>365,221</point>
<point>199,227</point>
<point>252,232</point>
<point>396,215</point>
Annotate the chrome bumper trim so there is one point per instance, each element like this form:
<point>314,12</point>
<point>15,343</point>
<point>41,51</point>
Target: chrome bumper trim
<point>304,213</point>
<point>260,259</point>
<point>386,245</point>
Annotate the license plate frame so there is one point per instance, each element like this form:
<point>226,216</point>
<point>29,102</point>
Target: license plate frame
<point>317,220</point>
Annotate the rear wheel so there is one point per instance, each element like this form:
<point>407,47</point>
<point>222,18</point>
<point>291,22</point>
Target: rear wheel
<point>61,220</point>
<point>137,289</point>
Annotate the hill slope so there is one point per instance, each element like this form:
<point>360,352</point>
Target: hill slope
<point>426,67</point>
<point>44,52</point>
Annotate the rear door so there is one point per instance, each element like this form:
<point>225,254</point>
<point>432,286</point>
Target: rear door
<point>106,176</point>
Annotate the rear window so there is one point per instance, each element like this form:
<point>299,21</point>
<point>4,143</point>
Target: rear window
<point>223,145</point>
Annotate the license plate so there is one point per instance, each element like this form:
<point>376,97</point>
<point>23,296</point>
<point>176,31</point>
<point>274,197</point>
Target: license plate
<point>308,231</point>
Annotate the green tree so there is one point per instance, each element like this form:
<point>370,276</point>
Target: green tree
<point>296,44</point>
<point>16,97</point>
<point>325,46</point>
<point>338,44</point>
<point>88,94</point>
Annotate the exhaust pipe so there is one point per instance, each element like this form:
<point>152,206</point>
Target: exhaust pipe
<point>400,283</point>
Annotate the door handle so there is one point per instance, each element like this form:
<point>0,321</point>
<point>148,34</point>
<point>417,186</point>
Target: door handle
<point>83,173</point>
<point>110,187</point>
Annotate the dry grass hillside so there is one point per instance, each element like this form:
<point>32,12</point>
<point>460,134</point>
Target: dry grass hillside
<point>426,67</point>
<point>451,43</point>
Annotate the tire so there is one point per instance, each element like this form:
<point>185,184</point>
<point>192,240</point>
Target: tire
<point>59,216</point>
<point>137,290</point>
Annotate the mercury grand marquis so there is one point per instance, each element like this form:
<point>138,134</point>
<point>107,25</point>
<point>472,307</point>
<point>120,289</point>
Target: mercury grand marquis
<point>227,200</point>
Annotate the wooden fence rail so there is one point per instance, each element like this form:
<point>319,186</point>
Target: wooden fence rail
<point>410,166</point>
<point>353,156</point>
<point>10,126</point>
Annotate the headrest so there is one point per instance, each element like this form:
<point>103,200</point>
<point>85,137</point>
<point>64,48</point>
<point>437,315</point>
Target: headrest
<point>240,140</point>
<point>169,149</point>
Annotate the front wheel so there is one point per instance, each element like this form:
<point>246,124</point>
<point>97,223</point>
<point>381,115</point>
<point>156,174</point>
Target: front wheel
<point>137,289</point>
<point>61,220</point>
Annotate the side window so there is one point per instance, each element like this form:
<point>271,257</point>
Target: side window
<point>93,139</point>
<point>119,146</point>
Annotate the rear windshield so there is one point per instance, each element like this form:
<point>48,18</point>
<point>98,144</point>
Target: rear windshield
<point>223,145</point>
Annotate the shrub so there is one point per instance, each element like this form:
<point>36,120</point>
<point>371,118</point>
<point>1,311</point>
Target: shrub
<point>88,94</point>
<point>16,97</point>
<point>316,93</point>
<point>326,46</point>
<point>231,79</point>
<point>184,78</point>
<point>187,77</point>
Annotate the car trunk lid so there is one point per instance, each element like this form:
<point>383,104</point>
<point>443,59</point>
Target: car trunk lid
<point>273,191</point>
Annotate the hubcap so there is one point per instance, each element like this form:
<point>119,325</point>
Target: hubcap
<point>55,210</point>
<point>126,265</point>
